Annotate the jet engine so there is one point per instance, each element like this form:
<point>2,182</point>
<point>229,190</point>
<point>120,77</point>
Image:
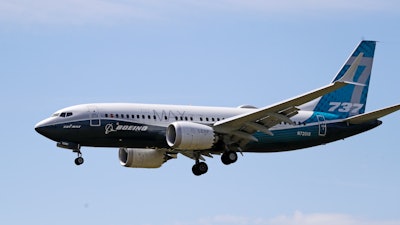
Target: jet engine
<point>184,135</point>
<point>141,158</point>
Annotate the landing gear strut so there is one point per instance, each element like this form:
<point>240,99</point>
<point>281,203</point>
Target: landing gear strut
<point>75,148</point>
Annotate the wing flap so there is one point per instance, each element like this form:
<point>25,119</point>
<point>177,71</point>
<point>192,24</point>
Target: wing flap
<point>362,118</point>
<point>258,127</point>
<point>193,155</point>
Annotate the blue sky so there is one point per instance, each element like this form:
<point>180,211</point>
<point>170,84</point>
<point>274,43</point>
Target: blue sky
<point>222,53</point>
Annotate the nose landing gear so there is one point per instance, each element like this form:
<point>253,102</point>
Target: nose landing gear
<point>76,148</point>
<point>79,160</point>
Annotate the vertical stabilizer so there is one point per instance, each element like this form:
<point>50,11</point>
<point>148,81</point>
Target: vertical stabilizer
<point>351,99</point>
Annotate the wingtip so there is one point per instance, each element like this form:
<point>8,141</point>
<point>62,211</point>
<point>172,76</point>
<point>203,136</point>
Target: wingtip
<point>348,77</point>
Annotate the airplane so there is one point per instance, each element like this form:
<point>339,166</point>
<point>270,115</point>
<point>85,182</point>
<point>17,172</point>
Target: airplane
<point>148,135</point>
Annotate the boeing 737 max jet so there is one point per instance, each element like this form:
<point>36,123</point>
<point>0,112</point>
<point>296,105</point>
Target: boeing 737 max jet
<point>149,135</point>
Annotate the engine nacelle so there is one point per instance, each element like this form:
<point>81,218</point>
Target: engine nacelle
<point>141,158</point>
<point>184,135</point>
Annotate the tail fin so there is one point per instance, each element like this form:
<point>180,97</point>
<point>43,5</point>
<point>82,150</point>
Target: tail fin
<point>351,99</point>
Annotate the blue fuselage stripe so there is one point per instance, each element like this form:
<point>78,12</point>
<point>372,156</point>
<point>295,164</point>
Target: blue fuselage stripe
<point>112,133</point>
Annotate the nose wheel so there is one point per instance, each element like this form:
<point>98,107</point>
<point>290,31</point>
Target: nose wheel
<point>79,160</point>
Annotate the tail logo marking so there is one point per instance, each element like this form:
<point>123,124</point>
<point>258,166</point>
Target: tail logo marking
<point>345,107</point>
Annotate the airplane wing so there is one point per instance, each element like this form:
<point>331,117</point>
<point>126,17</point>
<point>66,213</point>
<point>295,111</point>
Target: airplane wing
<point>366,117</point>
<point>239,129</point>
<point>243,126</point>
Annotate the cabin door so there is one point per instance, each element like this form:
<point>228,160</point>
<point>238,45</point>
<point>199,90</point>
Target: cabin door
<point>322,125</point>
<point>94,116</point>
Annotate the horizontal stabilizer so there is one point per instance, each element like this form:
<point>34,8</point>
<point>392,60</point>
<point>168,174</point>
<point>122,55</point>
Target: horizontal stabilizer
<point>362,118</point>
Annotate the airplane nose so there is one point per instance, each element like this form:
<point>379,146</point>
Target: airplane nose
<point>43,127</point>
<point>40,128</point>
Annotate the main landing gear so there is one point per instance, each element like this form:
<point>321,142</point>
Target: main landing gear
<point>229,157</point>
<point>201,168</point>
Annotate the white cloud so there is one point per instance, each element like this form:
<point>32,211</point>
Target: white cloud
<point>298,218</point>
<point>110,11</point>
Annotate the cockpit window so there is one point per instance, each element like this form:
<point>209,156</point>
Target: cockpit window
<point>63,114</point>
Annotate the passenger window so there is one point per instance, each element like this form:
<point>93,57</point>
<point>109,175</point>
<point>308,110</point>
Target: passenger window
<point>116,115</point>
<point>106,115</point>
<point>165,117</point>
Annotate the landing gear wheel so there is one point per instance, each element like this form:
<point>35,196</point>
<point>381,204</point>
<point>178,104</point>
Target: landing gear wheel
<point>199,168</point>
<point>203,168</point>
<point>79,161</point>
<point>196,170</point>
<point>229,157</point>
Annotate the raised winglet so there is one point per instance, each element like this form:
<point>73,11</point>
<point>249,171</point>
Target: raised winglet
<point>348,77</point>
